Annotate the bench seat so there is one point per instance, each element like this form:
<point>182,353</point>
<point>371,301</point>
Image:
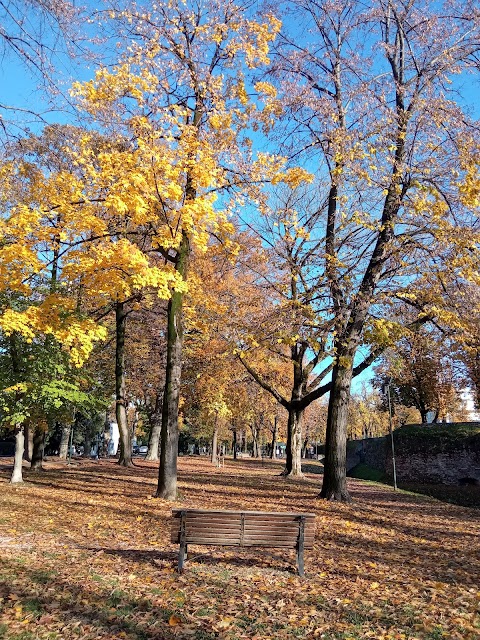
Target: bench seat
<point>243,529</point>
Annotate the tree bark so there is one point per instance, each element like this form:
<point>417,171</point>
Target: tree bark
<point>28,445</point>
<point>37,453</point>
<point>215,445</point>
<point>63,451</point>
<point>335,476</point>
<point>17,473</point>
<point>255,441</point>
<point>304,448</point>
<point>234,445</point>
<point>125,458</point>
<point>167,474</point>
<point>274,439</point>
<point>153,452</point>
<point>293,465</point>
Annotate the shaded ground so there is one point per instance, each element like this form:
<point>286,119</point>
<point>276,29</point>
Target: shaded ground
<point>467,496</point>
<point>85,552</point>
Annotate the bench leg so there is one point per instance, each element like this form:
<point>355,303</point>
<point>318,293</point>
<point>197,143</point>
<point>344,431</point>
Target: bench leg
<point>182,553</point>
<point>182,556</point>
<point>300,546</point>
<point>301,569</point>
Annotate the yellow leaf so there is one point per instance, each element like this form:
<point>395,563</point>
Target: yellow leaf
<point>174,620</point>
<point>224,623</point>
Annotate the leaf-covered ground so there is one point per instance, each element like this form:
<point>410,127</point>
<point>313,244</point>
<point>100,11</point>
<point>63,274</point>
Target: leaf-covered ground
<point>85,552</point>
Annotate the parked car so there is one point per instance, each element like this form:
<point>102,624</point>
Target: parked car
<point>139,449</point>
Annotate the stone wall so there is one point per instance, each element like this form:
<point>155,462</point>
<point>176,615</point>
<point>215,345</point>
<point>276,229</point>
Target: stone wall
<point>371,451</point>
<point>420,456</point>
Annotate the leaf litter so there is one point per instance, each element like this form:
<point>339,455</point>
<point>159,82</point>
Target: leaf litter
<point>85,552</point>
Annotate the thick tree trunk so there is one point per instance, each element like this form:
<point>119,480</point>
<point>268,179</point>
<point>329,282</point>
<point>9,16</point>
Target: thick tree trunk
<point>293,465</point>
<point>335,465</point>
<point>37,453</point>
<point>215,446</point>
<point>155,420</point>
<point>63,451</point>
<point>17,473</point>
<point>125,458</point>
<point>167,474</point>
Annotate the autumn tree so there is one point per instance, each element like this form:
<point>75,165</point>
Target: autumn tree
<point>423,374</point>
<point>292,324</point>
<point>367,102</point>
<point>145,364</point>
<point>180,86</point>
<point>367,415</point>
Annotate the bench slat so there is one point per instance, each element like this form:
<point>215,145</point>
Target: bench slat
<point>211,521</point>
<point>277,526</point>
<point>191,512</point>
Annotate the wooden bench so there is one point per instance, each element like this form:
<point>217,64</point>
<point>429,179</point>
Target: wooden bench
<point>243,529</point>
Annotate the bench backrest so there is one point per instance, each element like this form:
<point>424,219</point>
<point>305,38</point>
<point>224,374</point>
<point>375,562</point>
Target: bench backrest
<point>243,528</point>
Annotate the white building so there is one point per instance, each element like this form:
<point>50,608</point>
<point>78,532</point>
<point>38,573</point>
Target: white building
<point>114,439</point>
<point>467,397</point>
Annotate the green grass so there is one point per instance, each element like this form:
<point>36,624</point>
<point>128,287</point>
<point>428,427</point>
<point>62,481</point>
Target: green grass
<point>449,431</point>
<point>363,472</point>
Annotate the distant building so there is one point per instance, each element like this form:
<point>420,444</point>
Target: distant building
<point>114,439</point>
<point>468,399</point>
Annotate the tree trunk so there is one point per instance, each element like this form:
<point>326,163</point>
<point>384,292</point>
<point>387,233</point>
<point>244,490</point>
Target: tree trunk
<point>155,420</point>
<point>37,453</point>
<point>28,445</point>
<point>234,445</point>
<point>304,448</point>
<point>17,474</point>
<point>335,464</point>
<point>154,442</point>
<point>167,474</point>
<point>293,465</point>
<point>255,438</point>
<point>120,408</point>
<point>215,445</point>
<point>63,451</point>
<point>87,445</point>
<point>423,416</point>
<point>274,439</point>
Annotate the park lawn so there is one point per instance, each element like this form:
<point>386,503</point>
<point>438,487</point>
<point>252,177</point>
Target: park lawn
<point>85,552</point>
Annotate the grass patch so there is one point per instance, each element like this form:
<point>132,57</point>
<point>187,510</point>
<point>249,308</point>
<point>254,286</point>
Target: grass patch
<point>363,472</point>
<point>42,576</point>
<point>442,430</point>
